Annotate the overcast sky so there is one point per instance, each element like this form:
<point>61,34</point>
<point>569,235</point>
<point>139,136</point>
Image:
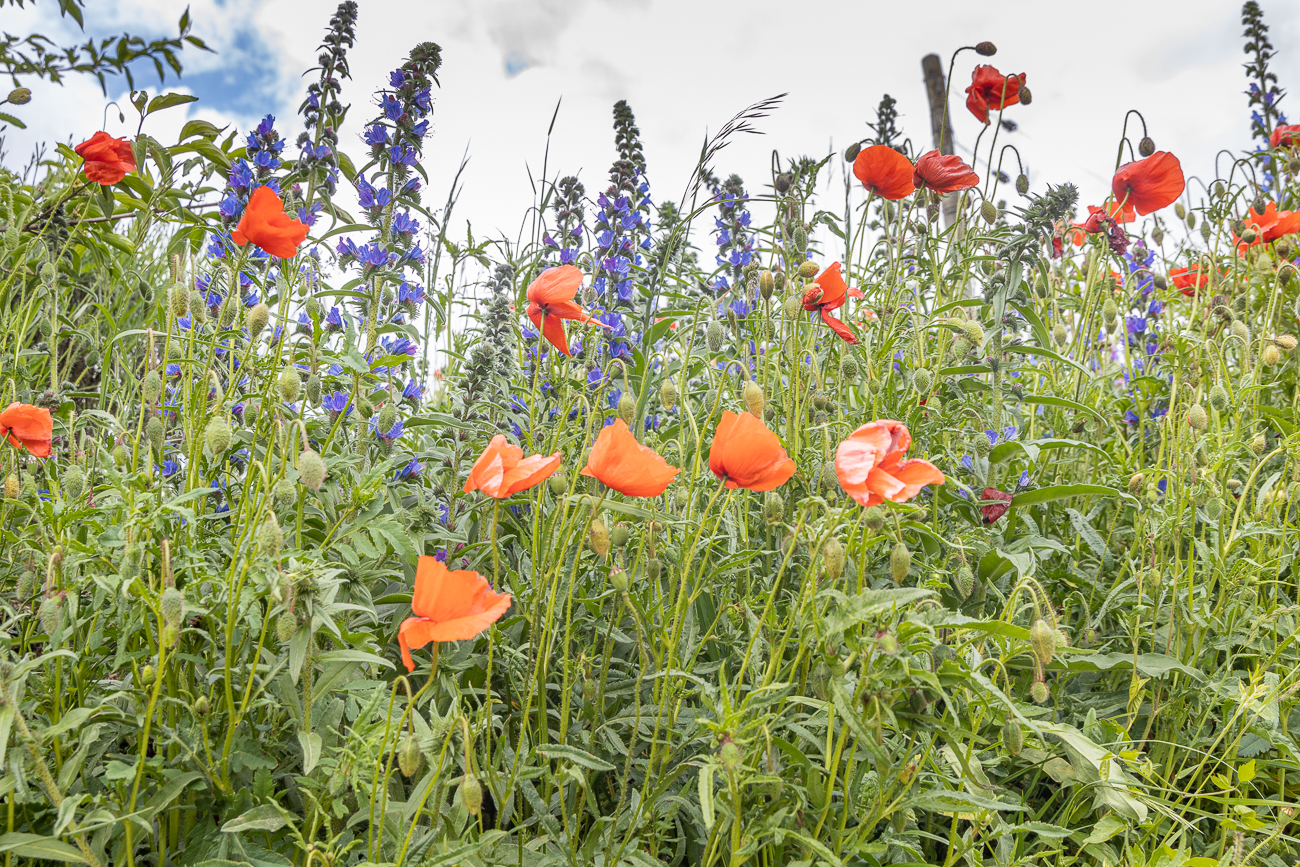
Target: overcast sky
<point>687,66</point>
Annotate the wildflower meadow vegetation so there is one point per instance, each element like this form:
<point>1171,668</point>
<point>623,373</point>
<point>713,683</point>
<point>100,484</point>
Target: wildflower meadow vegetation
<point>937,517</point>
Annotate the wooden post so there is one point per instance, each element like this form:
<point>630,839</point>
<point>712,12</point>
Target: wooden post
<point>940,122</point>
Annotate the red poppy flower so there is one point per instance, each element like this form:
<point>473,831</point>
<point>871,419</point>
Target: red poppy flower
<point>828,295</point>
<point>1285,136</point>
<point>108,159</point>
<point>267,226</point>
<point>995,510</point>
<point>1269,225</point>
<point>618,461</point>
<point>550,302</point>
<point>745,454</point>
<point>448,606</point>
<point>943,173</point>
<point>1188,280</point>
<point>885,172</point>
<point>990,89</point>
<point>28,427</point>
<point>503,470</point>
<point>1149,184</point>
<point>871,468</point>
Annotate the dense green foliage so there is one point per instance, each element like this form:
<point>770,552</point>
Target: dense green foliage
<point>198,651</point>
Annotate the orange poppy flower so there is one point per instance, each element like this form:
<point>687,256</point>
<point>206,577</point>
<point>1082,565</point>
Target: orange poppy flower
<point>943,173</point>
<point>745,454</point>
<point>503,470</point>
<point>990,89</point>
<point>1148,184</point>
<point>618,461</point>
<point>267,225</point>
<point>871,468</point>
<point>1188,280</point>
<point>1285,136</point>
<point>1269,225</point>
<point>448,606</point>
<point>828,295</point>
<point>28,427</point>
<point>885,172</point>
<point>108,159</point>
<point>550,302</point>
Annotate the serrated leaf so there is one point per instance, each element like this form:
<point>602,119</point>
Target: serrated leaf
<point>1086,532</point>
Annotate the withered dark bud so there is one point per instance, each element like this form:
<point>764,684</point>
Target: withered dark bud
<point>986,49</point>
<point>1146,147</point>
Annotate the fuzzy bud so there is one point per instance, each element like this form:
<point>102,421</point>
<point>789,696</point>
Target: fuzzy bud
<point>51,614</point>
<point>974,332</point>
<point>654,567</point>
<point>773,507</point>
<point>201,705</point>
<point>1240,330</point>
<point>874,518</point>
<point>151,388</point>
<point>668,395</point>
<point>900,561</point>
<point>1135,483</point>
<point>19,96</point>
<point>26,585</point>
<point>558,484</point>
<point>154,430</point>
<point>73,482</point>
<point>1259,444</point>
<point>849,368</point>
<point>964,582</point>
<point>387,418</point>
<point>833,558</point>
<point>1022,184</point>
<point>986,49</point>
<point>627,408</point>
<point>1180,211</point>
<point>198,308</point>
<point>1214,508</point>
<point>714,336</point>
<point>791,307</point>
<point>313,388</point>
<point>285,494</point>
<point>620,535</point>
<point>766,284</point>
<point>169,635</point>
<point>980,445</point>
<point>598,537</point>
<point>1039,692</point>
<point>800,240</point>
<point>1012,737</point>
<point>989,212</point>
<point>1110,313</point>
<point>923,380</point>
<point>1285,342</point>
<point>754,399</point>
<point>121,457</point>
<point>851,152</point>
<point>216,436</point>
<point>147,675</point>
<point>619,579</point>
<point>178,301</point>
<point>257,319</point>
<point>1026,97</point>
<point>1042,640</point>
<point>1060,334</point>
<point>1146,147</point>
<point>270,537</point>
<point>808,270</point>
<point>172,607</point>
<point>408,756</point>
<point>471,793</point>
<point>729,755</point>
<point>289,384</point>
<point>311,469</point>
<point>1271,355</point>
<point>1197,417</point>
<point>285,626</point>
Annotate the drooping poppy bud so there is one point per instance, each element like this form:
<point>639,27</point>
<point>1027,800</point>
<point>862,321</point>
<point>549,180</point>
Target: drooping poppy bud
<point>1146,147</point>
<point>51,615</point>
<point>1042,641</point>
<point>627,409</point>
<point>154,430</point>
<point>172,606</point>
<point>598,537</point>
<point>773,507</point>
<point>986,49</point>
<point>12,487</point>
<point>1197,418</point>
<point>285,626</point>
<point>289,384</point>
<point>1022,184</point>
<point>1013,738</point>
<point>409,758</point>
<point>313,388</point>
<point>257,319</point>
<point>73,482</point>
<point>833,558</point>
<point>216,436</point>
<point>285,494</point>
<point>752,395</point>
<point>714,336</point>
<point>668,395</point>
<point>1039,692</point>
<point>270,537</point>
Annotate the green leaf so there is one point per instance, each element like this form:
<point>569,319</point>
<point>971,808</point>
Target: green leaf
<point>267,817</point>
<point>1100,771</point>
<point>706,795</point>
<point>575,755</point>
<point>1063,403</point>
<point>1026,349</point>
<point>168,792</point>
<point>167,100</point>
<point>201,129</point>
<point>311,744</point>
<point>870,604</point>
<point>1060,492</point>
<point>35,846</point>
<point>1148,664</point>
<point>947,801</point>
<point>10,119</point>
<point>1086,531</point>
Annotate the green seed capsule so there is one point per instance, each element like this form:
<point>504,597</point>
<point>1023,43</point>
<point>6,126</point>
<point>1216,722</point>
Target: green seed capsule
<point>620,535</point>
<point>285,626</point>
<point>558,483</point>
<point>73,482</point>
<point>409,758</point>
<point>311,469</point>
<point>471,794</point>
<point>900,562</point>
<point>216,436</point>
<point>754,399</point>
<point>627,409</point>
<point>1043,641</point>
<point>289,384</point>
<point>270,537</point>
<point>257,319</point>
<point>151,388</point>
<point>849,368</point>
<point>668,394</point>
<point>714,336</point>
<point>172,607</point>
<point>619,579</point>
<point>833,558</point>
<point>154,430</point>
<point>1013,738</point>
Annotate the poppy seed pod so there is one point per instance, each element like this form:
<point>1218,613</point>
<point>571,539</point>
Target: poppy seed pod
<point>752,395</point>
<point>627,409</point>
<point>1197,418</point>
<point>311,469</point>
<point>714,336</point>
<point>12,487</point>
<point>408,756</point>
<point>808,270</point>
<point>1249,236</point>
<point>923,380</point>
<point>986,49</point>
<point>558,484</point>
<point>900,561</point>
<point>216,436</point>
<point>620,535</point>
<point>792,308</point>
<point>19,96</point>
<point>172,607</point>
<point>833,558</point>
<point>289,384</point>
<point>964,582</point>
<point>1012,737</point>
<point>1146,147</point>
<point>313,388</point>
<point>668,395</point>
<point>270,537</point>
<point>1025,96</point>
<point>974,332</point>
<point>201,705</point>
<point>619,579</point>
<point>766,284</point>
<point>1042,641</point>
<point>1039,692</point>
<point>154,430</point>
<point>598,537</point>
<point>1060,334</point>
<point>471,793</point>
<point>51,614</point>
<point>151,388</point>
<point>1022,184</point>
<point>989,212</point>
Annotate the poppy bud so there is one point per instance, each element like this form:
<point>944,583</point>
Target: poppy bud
<point>365,408</point>
<point>1110,312</point>
<point>1039,692</point>
<point>178,301</point>
<point>1259,444</point>
<point>980,445</point>
<point>619,536</point>
<point>808,270</point>
<point>151,388</point>
<point>1159,280</point>
<point>1025,96</point>
<point>1214,508</point>
<point>198,309</point>
<point>386,419</point>
<point>257,319</point>
<point>800,240</point>
<point>851,152</point>
<point>51,614</point>
<point>1197,417</point>
<point>729,755</point>
<point>1179,211</point>
<point>960,348</point>
<point>1042,641</point>
<point>653,568</point>
<point>201,705</point>
<point>766,284</point>
<point>285,494</point>
<point>1240,331</point>
<point>887,643</point>
<point>289,384</point>
<point>598,537</point>
<point>1060,334</point>
<point>773,507</point>
<point>172,607</point>
<point>19,96</point>
<point>791,307</point>
<point>73,482</point>
<point>270,537</point>
<point>285,626</point>
<point>923,380</point>
<point>752,395</point>
<point>974,332</point>
<point>964,582</point>
<point>989,212</point>
<point>1146,147</point>
<point>154,430</point>
<point>714,336</point>
<point>874,518</point>
<point>1249,235</point>
<point>619,579</point>
<point>1271,355</point>
<point>558,483</point>
<point>26,584</point>
<point>311,469</point>
<point>833,558</point>
<point>471,793</point>
<point>147,676</point>
<point>900,561</point>
<point>782,183</point>
<point>217,435</point>
<point>1219,397</point>
<point>668,394</point>
<point>1012,737</point>
<point>627,409</point>
<point>1285,342</point>
<point>408,756</point>
<point>849,368</point>
<point>121,456</point>
<point>986,49</point>
<point>313,388</point>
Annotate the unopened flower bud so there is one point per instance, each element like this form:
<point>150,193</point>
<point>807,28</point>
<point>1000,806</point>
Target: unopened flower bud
<point>1259,444</point>
<point>1197,417</point>
<point>773,507</point>
<point>653,568</point>
<point>849,368</point>
<point>729,755</point>
<point>313,388</point>
<point>900,561</point>
<point>923,380</point>
<point>1012,737</point>
<point>874,518</point>
<point>289,384</point>
<point>808,270</point>
<point>1285,342</point>
<point>216,436</point>
<point>833,558</point>
<point>201,705</point>
<point>619,579</point>
<point>26,585</point>
<point>791,307</point>
<point>285,494</point>
<point>285,626</point>
<point>754,399</point>
<point>1146,147</point>
<point>598,537</point>
<point>178,300</point>
<point>668,394</point>
<point>408,756</point>
<point>311,469</point>
<point>851,152</point>
<point>989,212</point>
<point>1110,312</point>
<point>714,336</point>
<point>1039,692</point>
<point>964,582</point>
<point>782,183</point>
<point>73,482</point>
<point>766,284</point>
<point>1271,355</point>
<point>147,676</point>
<point>627,408</point>
<point>151,388</point>
<point>51,614</point>
<point>270,537</point>
<point>172,607</point>
<point>974,332</point>
<point>19,96</point>
<point>1022,184</point>
<point>1042,640</point>
<point>620,535</point>
<point>257,319</point>
<point>198,307</point>
<point>800,240</point>
<point>986,49</point>
<point>1026,97</point>
<point>154,430</point>
<point>471,793</point>
<point>386,419</point>
<point>1240,330</point>
<point>1180,211</point>
<point>1060,334</point>
<point>1135,483</point>
<point>980,445</point>
<point>558,483</point>
<point>121,457</point>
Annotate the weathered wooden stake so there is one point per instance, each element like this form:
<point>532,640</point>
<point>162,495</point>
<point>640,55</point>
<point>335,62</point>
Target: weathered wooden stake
<point>940,122</point>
